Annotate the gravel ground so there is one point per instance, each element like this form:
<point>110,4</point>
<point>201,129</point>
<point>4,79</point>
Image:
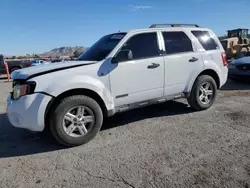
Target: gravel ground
<point>167,145</point>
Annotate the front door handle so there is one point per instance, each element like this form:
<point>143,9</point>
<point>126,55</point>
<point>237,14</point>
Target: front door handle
<point>193,59</point>
<point>153,66</point>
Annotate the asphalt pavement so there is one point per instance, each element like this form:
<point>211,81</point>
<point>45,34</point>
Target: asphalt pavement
<point>166,145</point>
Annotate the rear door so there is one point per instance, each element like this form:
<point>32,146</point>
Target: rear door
<point>182,61</point>
<point>212,51</point>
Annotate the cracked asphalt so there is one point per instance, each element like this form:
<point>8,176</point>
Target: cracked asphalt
<point>166,145</point>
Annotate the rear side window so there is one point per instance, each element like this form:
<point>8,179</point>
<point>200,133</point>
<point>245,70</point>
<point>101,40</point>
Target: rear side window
<point>143,45</point>
<point>207,42</point>
<point>177,42</point>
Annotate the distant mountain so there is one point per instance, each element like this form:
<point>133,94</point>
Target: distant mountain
<point>63,51</point>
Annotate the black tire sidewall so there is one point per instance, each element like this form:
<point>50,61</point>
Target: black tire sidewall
<point>201,80</point>
<point>63,108</point>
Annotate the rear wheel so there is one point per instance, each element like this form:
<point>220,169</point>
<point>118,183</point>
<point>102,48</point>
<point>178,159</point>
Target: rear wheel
<point>76,120</point>
<point>203,93</point>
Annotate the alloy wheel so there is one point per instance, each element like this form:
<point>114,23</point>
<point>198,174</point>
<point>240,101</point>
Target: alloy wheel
<point>206,93</point>
<point>78,121</point>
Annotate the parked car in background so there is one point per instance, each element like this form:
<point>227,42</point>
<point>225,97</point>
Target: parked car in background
<point>39,62</point>
<point>13,64</point>
<point>239,69</point>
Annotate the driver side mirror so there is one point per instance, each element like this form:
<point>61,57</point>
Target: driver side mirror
<point>123,55</point>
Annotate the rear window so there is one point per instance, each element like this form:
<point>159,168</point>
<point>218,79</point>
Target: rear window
<point>177,42</point>
<point>207,42</point>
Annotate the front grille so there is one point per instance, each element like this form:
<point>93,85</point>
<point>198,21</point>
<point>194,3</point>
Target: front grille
<point>244,67</point>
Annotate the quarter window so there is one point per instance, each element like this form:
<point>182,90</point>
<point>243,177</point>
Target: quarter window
<point>143,45</point>
<point>207,42</point>
<point>177,42</point>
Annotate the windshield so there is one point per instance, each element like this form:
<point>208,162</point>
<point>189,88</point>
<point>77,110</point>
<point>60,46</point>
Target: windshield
<point>244,34</point>
<point>101,48</point>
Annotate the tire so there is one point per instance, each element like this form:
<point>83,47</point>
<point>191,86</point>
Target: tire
<point>58,122</point>
<point>194,99</point>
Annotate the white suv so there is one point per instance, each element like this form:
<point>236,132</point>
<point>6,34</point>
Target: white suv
<point>120,72</point>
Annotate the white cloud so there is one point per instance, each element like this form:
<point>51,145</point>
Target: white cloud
<point>142,7</point>
<point>139,7</point>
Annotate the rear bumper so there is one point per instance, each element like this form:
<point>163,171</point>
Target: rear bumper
<point>28,112</point>
<point>223,76</point>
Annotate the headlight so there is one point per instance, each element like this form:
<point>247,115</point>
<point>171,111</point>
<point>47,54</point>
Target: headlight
<point>231,66</point>
<point>20,90</point>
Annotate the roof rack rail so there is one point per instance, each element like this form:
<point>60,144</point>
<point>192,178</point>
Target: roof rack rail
<point>173,25</point>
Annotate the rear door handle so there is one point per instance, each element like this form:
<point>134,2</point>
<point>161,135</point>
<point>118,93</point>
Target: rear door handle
<point>193,59</point>
<point>153,66</point>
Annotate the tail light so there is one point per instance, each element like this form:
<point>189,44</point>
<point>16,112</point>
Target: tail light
<point>29,64</point>
<point>224,58</point>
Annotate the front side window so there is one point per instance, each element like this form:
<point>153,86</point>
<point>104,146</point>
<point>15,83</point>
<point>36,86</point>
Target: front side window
<point>143,45</point>
<point>177,42</point>
<point>207,42</point>
<point>101,49</point>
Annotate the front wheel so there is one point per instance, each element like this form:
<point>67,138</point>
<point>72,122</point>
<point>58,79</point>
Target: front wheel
<point>203,93</point>
<point>76,120</point>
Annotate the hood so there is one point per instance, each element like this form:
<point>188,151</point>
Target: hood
<point>243,60</point>
<point>33,71</point>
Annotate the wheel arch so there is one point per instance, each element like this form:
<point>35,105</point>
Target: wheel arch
<point>78,91</point>
<point>213,74</point>
<point>209,72</point>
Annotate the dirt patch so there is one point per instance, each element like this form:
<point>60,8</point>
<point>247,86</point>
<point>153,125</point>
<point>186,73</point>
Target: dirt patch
<point>247,168</point>
<point>236,116</point>
<point>201,178</point>
<point>235,93</point>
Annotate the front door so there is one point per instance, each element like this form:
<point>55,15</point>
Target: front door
<point>142,77</point>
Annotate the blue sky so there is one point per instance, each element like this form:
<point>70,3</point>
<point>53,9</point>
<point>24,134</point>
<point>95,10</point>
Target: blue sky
<point>36,26</point>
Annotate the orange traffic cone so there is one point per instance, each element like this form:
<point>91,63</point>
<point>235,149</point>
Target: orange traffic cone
<point>7,70</point>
